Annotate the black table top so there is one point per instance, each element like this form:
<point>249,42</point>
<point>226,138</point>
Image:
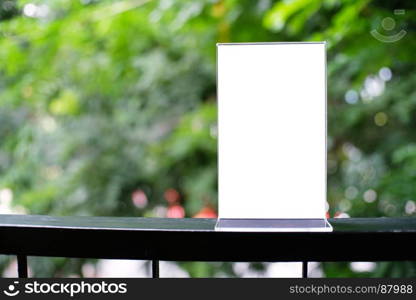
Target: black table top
<point>368,239</point>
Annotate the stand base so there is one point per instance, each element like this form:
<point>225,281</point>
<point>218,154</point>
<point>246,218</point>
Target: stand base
<point>273,225</point>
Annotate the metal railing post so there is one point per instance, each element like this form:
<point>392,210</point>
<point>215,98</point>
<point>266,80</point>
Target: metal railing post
<point>22,266</point>
<point>304,269</point>
<point>155,268</point>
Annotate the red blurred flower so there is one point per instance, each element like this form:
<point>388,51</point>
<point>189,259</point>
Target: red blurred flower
<point>172,196</point>
<point>206,212</point>
<point>175,211</point>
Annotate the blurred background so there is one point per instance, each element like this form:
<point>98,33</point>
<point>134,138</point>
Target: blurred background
<point>108,108</point>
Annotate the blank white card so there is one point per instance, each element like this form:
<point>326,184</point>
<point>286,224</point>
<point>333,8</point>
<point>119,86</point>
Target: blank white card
<point>272,130</point>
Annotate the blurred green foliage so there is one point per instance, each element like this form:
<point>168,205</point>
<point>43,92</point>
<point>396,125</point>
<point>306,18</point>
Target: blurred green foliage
<point>102,99</point>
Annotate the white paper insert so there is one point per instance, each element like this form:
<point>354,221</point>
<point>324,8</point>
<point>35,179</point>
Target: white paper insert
<point>272,130</point>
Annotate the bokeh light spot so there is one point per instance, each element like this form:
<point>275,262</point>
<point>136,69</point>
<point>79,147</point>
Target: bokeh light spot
<point>172,196</point>
<point>351,192</point>
<point>410,207</point>
<point>351,97</point>
<point>206,212</point>
<point>380,119</point>
<point>385,74</point>
<point>363,266</point>
<point>388,23</point>
<point>370,196</point>
<point>35,11</point>
<point>175,211</point>
<point>139,198</point>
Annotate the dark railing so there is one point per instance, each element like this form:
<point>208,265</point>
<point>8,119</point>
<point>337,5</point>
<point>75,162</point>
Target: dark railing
<point>155,239</point>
